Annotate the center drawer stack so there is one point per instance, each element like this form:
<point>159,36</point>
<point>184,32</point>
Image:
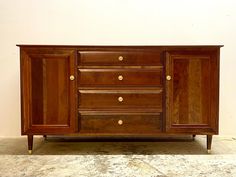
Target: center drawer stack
<point>120,92</point>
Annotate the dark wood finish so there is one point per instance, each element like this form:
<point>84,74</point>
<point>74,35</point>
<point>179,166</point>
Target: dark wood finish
<point>209,142</point>
<point>152,106</point>
<point>191,93</point>
<point>30,142</point>
<point>131,124</point>
<point>130,58</point>
<point>45,82</point>
<point>107,99</point>
<point>109,77</point>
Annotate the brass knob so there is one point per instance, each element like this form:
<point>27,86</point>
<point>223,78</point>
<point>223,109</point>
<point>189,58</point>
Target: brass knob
<point>120,122</point>
<point>72,77</point>
<point>120,78</point>
<point>120,58</point>
<point>168,77</point>
<point>120,99</point>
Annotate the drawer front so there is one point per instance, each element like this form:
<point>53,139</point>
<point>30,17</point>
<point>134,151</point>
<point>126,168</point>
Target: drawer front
<point>120,58</point>
<point>120,77</point>
<point>109,100</point>
<point>123,124</point>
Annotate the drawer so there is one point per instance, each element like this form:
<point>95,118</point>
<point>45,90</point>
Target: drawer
<point>121,124</point>
<point>107,99</point>
<point>132,58</point>
<point>120,77</point>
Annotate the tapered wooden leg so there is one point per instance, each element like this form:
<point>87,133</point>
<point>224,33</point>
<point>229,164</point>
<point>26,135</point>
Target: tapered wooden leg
<point>209,142</point>
<point>30,143</point>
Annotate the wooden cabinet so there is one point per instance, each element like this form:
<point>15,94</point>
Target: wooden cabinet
<point>130,91</point>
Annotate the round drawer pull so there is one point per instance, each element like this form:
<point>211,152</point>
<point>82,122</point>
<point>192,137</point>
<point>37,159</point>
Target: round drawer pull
<point>120,122</point>
<point>120,78</point>
<point>72,77</point>
<point>120,99</point>
<point>168,77</point>
<point>120,58</point>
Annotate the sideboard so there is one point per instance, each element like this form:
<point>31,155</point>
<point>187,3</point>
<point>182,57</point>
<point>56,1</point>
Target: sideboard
<point>119,91</point>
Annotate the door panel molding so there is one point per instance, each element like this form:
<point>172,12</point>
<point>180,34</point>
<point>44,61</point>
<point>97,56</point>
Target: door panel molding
<point>44,73</point>
<point>189,97</point>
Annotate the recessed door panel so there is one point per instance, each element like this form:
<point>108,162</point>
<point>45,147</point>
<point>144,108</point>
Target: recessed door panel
<point>50,92</point>
<point>191,91</point>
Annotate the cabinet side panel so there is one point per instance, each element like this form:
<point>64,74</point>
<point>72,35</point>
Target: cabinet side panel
<point>25,91</point>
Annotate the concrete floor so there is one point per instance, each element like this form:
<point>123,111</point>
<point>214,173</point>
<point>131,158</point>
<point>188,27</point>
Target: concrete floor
<point>72,157</point>
<point>69,145</point>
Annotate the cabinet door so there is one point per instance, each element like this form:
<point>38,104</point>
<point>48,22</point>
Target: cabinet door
<point>48,95</point>
<point>192,92</point>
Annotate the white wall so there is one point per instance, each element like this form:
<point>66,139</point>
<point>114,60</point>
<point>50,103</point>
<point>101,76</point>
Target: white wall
<point>114,22</point>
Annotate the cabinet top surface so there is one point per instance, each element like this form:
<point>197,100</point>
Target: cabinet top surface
<point>121,46</point>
